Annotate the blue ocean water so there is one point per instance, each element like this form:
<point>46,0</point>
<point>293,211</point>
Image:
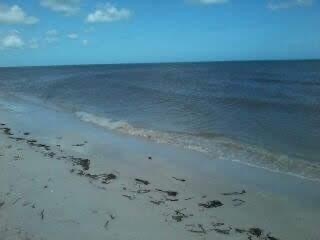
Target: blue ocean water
<point>261,113</point>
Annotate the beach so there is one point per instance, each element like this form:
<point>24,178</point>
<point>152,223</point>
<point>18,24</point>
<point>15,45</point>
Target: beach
<point>63,178</point>
<point>159,120</point>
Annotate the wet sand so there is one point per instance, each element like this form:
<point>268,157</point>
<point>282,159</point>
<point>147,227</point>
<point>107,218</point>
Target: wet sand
<point>63,179</point>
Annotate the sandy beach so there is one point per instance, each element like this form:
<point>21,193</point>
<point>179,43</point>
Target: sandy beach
<point>61,178</point>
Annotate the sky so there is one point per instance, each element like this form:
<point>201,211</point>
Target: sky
<point>64,32</point>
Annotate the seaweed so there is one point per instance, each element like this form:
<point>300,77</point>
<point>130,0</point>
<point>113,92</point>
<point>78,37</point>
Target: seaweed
<point>222,231</point>
<point>156,202</point>
<point>200,229</point>
<point>84,163</point>
<point>271,237</point>
<point>141,181</point>
<point>234,193</point>
<point>42,214</point>
<point>107,178</point>
<point>7,131</point>
<point>238,202</point>
<point>257,232</point>
<point>179,215</point>
<point>170,193</point>
<point>179,179</point>
<point>211,204</point>
<point>129,197</point>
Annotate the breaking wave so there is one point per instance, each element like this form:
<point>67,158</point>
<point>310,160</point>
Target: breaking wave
<point>216,146</point>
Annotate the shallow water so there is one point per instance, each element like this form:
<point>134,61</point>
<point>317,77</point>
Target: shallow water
<point>260,113</point>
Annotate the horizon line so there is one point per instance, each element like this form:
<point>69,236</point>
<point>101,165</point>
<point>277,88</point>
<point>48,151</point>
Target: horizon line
<point>169,62</point>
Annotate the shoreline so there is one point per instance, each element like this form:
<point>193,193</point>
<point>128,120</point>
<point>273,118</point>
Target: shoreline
<point>61,181</point>
<point>259,158</point>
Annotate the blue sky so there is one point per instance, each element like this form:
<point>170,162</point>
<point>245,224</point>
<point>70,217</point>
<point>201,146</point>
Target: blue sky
<point>59,32</point>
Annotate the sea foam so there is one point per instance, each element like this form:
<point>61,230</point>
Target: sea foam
<point>218,147</point>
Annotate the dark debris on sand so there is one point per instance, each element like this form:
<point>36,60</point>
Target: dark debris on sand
<point>7,131</point>
<point>84,163</point>
<point>257,232</point>
<point>178,216</point>
<point>129,197</point>
<point>237,202</point>
<point>271,237</point>
<point>111,218</point>
<point>143,191</point>
<point>234,193</point>
<point>172,199</point>
<point>223,231</point>
<point>211,204</point>
<point>42,214</point>
<point>141,181</point>
<point>221,228</point>
<point>170,193</point>
<point>196,228</point>
<point>78,145</point>
<point>157,202</point>
<point>179,179</point>
<point>105,178</point>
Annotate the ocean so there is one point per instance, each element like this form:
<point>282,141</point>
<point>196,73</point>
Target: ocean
<point>261,113</point>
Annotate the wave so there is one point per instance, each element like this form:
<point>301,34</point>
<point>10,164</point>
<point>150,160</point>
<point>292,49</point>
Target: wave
<point>126,128</point>
<point>216,146</point>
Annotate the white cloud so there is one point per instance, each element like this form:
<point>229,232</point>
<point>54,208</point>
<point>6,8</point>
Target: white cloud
<point>11,41</point>
<point>285,4</point>
<point>15,15</point>
<point>52,36</point>
<point>108,13</point>
<point>67,7</point>
<point>210,2</point>
<point>85,42</point>
<point>72,36</point>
